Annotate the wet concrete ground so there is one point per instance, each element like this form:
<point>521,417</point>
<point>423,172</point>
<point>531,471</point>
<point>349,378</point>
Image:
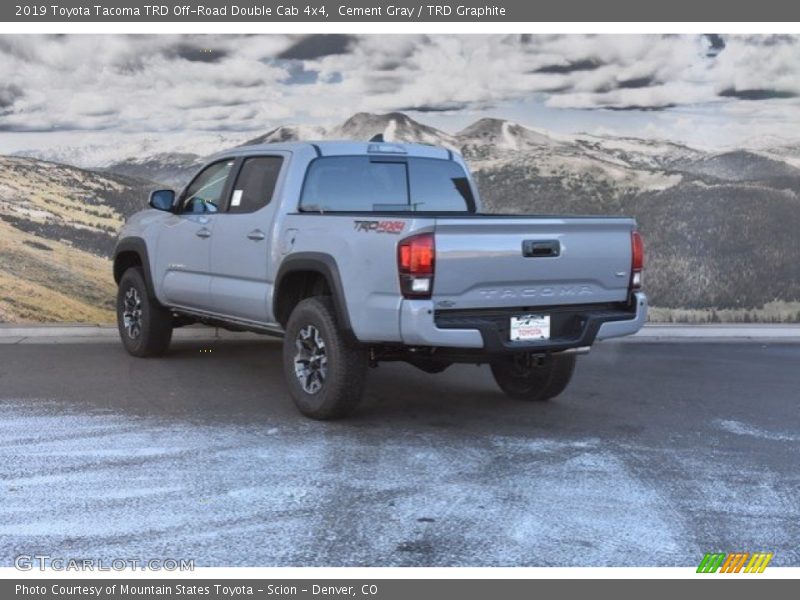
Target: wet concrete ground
<point>655,455</point>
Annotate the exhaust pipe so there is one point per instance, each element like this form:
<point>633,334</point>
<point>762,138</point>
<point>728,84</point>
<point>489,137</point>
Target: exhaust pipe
<point>578,350</point>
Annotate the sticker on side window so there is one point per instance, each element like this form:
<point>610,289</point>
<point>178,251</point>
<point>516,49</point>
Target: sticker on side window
<point>236,199</point>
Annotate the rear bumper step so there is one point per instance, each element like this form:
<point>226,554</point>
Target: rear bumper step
<point>572,327</point>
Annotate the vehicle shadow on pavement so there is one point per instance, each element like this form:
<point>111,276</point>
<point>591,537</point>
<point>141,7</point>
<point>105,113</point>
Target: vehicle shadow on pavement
<point>245,381</point>
<point>397,391</point>
<point>242,382</point>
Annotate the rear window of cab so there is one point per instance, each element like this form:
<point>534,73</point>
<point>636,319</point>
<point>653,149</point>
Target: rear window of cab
<point>369,184</point>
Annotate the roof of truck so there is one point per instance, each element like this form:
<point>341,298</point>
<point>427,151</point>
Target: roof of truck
<point>345,148</point>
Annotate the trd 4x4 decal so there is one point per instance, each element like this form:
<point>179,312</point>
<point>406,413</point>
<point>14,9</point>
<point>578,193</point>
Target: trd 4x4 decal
<point>380,226</point>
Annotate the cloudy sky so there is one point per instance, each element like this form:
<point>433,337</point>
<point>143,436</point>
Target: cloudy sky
<point>707,90</point>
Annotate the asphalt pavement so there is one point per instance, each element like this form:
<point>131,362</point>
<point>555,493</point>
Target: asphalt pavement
<point>657,454</point>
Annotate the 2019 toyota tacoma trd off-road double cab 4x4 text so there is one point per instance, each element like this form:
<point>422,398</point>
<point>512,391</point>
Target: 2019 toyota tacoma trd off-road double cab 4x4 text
<point>358,253</point>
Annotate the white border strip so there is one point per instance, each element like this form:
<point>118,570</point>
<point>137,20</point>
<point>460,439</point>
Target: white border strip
<point>278,27</point>
<point>377,573</point>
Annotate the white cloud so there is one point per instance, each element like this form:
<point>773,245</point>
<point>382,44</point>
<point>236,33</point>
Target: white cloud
<point>759,63</point>
<point>238,83</point>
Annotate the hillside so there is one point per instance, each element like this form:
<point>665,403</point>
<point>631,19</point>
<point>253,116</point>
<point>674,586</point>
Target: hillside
<point>57,230</point>
<point>739,165</point>
<point>709,246</point>
<point>171,169</point>
<point>710,219</point>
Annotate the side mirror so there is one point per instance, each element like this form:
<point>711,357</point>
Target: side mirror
<point>162,200</point>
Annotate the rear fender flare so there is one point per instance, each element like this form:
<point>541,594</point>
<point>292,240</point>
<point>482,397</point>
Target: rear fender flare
<point>325,265</point>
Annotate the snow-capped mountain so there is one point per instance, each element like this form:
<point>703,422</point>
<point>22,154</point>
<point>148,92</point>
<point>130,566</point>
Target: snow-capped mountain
<point>645,153</point>
<point>503,135</point>
<point>289,133</point>
<point>787,152</point>
<point>739,165</point>
<point>395,127</point>
<point>172,162</point>
<point>131,147</point>
<point>175,168</point>
<point>169,168</point>
<point>91,156</point>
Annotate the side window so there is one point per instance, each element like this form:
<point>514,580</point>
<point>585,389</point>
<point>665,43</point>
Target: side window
<point>204,194</point>
<point>255,184</point>
<point>355,183</point>
<point>440,186</point>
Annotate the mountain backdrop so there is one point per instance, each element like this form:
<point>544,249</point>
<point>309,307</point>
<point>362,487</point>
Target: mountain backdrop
<point>721,228</point>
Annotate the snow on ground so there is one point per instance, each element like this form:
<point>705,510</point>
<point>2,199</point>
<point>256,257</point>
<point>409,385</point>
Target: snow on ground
<point>110,483</point>
<point>202,457</point>
<point>745,429</point>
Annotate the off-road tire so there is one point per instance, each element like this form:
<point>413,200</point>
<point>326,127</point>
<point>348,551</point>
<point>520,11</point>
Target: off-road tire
<point>537,383</point>
<point>345,362</point>
<point>154,331</point>
<point>561,376</point>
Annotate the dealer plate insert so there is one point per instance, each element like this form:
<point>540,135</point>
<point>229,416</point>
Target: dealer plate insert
<point>530,327</point>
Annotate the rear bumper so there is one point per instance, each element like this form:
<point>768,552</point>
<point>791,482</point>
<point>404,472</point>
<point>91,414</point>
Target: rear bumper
<point>612,329</point>
<point>571,326</point>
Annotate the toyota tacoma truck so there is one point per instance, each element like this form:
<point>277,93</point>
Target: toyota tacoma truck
<point>358,253</point>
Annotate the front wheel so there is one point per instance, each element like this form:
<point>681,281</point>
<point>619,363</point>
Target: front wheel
<point>325,370</point>
<point>521,378</point>
<point>145,326</point>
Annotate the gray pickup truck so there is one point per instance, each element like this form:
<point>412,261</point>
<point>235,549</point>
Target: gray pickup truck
<point>362,252</point>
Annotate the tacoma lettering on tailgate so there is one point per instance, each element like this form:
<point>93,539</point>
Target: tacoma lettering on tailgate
<point>532,292</point>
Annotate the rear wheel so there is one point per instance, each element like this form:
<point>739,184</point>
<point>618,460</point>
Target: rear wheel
<point>522,378</point>
<point>145,326</point>
<point>325,370</point>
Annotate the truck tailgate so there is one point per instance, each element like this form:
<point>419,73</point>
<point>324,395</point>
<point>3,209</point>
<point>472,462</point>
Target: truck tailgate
<point>498,261</point>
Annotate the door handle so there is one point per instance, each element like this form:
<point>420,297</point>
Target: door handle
<point>203,233</point>
<point>256,235</point>
<point>541,248</point>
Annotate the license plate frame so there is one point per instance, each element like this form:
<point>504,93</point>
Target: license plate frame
<point>529,328</point>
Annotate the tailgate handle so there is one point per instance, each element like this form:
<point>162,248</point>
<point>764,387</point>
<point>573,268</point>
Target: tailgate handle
<point>541,248</point>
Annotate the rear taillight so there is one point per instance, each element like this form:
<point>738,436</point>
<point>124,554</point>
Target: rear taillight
<point>637,260</point>
<point>416,261</point>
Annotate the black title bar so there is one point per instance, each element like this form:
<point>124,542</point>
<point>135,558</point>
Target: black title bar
<point>339,11</point>
<point>734,587</point>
